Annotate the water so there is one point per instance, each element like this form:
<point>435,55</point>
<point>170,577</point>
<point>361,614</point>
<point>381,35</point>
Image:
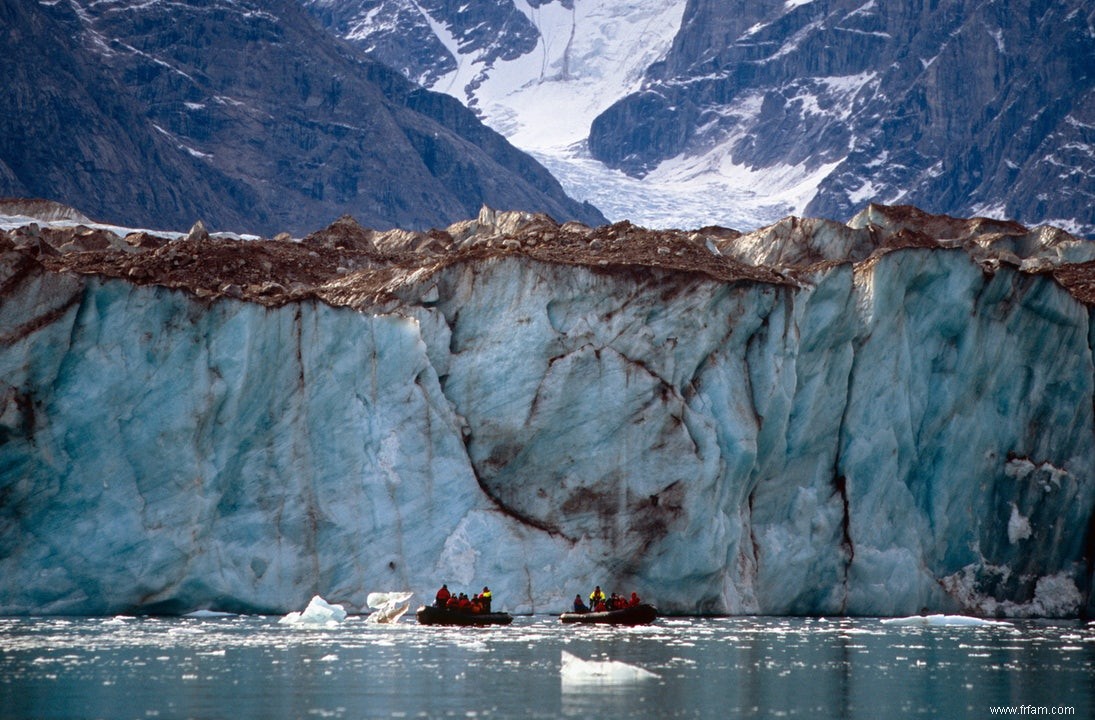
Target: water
<point>253,667</point>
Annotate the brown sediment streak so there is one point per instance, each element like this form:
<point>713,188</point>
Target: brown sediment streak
<point>36,324</point>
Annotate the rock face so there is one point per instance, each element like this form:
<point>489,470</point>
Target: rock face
<point>402,33</point>
<point>866,418</point>
<point>961,107</point>
<point>244,114</point>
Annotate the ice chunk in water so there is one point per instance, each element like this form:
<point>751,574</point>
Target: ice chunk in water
<point>205,614</point>
<point>944,621</point>
<point>318,613</point>
<point>388,606</point>
<point>578,671</point>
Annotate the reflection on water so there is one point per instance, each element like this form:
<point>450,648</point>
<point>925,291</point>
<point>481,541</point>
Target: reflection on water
<point>744,667</point>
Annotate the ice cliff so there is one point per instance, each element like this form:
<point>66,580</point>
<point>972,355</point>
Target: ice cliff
<point>872,418</point>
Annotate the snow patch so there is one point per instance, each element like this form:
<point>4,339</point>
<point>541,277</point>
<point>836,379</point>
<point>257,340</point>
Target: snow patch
<point>1018,526</point>
<point>867,9</point>
<point>866,192</point>
<point>1046,473</point>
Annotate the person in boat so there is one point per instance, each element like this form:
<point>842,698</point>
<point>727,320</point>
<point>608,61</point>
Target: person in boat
<point>485,598</point>
<point>597,596</point>
<point>453,603</point>
<point>464,603</point>
<point>634,599</point>
<point>442,597</point>
<point>579,604</point>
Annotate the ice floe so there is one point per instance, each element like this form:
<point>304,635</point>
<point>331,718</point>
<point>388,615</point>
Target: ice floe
<point>945,621</point>
<point>388,607</point>
<point>578,671</point>
<point>319,613</point>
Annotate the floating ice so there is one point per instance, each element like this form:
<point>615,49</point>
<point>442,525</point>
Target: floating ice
<point>319,613</point>
<point>945,621</point>
<point>388,606</point>
<point>203,614</point>
<point>578,671</point>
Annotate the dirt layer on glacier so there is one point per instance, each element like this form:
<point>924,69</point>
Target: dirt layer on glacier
<point>347,264</point>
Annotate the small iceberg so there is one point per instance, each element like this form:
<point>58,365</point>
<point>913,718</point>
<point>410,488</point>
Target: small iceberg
<point>388,607</point>
<point>944,621</point>
<point>319,613</point>
<point>206,614</point>
<point>596,672</point>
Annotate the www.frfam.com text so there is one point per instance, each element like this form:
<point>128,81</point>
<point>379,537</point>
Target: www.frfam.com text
<point>1032,710</point>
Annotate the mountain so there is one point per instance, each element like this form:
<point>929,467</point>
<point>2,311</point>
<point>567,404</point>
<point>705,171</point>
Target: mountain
<point>960,107</point>
<point>539,73</point>
<point>243,114</point>
<point>742,112</point>
<point>871,418</point>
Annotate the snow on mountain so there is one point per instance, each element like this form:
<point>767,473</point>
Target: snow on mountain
<point>969,108</point>
<point>872,418</point>
<point>544,97</point>
<point>675,114</point>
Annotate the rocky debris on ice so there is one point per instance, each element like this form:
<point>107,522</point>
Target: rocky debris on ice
<point>347,264</point>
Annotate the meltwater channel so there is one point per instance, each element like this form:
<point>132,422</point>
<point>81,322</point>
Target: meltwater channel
<point>750,667</point>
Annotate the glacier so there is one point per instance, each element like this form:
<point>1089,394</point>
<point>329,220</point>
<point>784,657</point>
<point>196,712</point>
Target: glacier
<point>884,417</point>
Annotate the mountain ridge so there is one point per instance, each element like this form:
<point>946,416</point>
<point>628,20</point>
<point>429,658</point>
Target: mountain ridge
<point>750,111</point>
<point>241,113</point>
<point>962,109</point>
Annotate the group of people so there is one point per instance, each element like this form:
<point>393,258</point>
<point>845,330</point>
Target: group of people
<point>599,603</point>
<point>479,603</point>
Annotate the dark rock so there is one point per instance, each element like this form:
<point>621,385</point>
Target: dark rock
<point>243,113</point>
<point>486,31</point>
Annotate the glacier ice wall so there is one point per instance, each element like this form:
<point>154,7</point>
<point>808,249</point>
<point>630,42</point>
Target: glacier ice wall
<point>907,432</point>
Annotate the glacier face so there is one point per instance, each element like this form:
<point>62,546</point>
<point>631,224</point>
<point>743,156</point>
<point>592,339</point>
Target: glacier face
<point>910,430</point>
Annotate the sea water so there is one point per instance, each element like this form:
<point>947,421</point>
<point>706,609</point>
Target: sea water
<point>255,667</point>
